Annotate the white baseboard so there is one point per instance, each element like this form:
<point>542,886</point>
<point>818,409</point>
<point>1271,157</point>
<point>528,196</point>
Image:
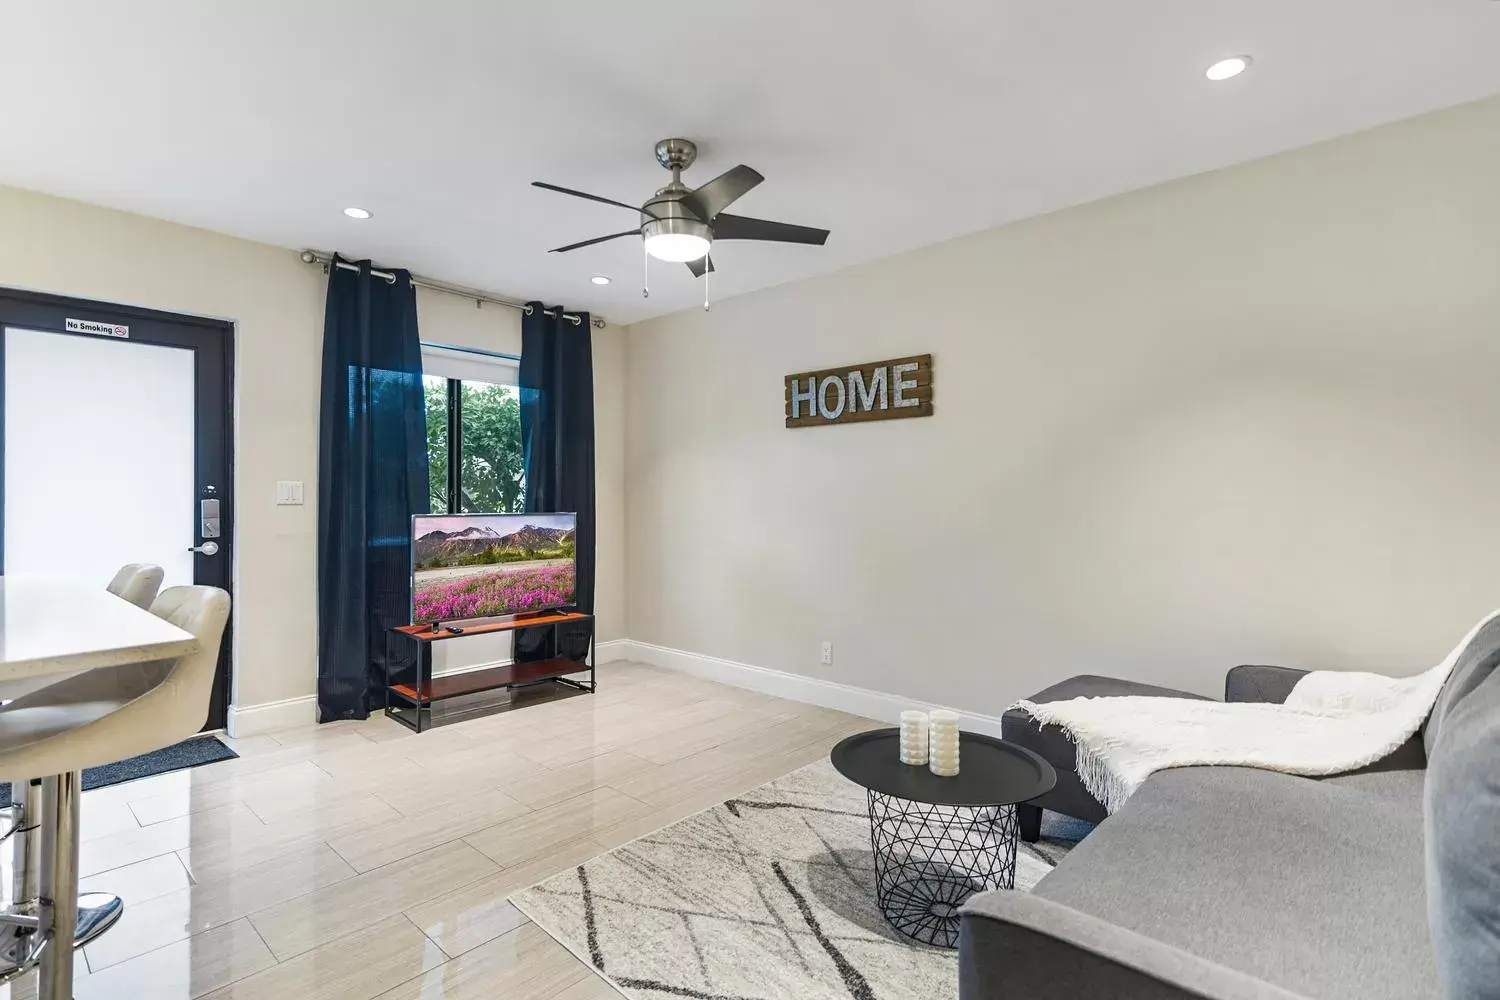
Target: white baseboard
<point>256,720</point>
<point>613,649</point>
<point>794,687</point>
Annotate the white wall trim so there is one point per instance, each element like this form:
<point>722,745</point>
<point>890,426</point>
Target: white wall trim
<point>795,687</point>
<point>612,650</point>
<point>256,720</point>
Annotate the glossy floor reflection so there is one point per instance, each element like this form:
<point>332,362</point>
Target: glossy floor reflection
<point>358,860</point>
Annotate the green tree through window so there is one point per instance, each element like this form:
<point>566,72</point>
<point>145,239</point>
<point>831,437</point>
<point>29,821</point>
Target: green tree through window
<point>491,470</point>
<point>435,389</point>
<point>493,478</point>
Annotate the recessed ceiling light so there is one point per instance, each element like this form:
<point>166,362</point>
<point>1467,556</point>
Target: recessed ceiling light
<point>1224,69</point>
<point>357,213</point>
<point>600,279</point>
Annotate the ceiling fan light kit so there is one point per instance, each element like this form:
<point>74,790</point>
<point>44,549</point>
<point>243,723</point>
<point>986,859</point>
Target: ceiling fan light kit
<point>679,223</point>
<point>676,240</point>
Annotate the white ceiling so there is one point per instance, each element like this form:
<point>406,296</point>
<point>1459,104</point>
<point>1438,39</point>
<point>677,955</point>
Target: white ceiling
<point>893,124</point>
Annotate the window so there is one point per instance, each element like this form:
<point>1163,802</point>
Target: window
<point>473,433</point>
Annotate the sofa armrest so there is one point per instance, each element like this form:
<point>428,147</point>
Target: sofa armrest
<point>1014,945</point>
<point>1257,683</point>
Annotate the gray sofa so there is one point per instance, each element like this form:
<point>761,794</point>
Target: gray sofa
<point>1232,883</point>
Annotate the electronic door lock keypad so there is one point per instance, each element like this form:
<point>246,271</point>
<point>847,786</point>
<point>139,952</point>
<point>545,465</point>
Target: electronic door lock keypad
<point>208,515</point>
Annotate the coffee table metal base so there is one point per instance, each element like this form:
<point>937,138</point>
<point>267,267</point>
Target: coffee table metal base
<point>929,859</point>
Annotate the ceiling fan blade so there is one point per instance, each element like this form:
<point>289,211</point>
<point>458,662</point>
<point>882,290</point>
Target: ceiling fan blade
<point>737,227</point>
<point>698,266</point>
<point>710,199</point>
<point>591,197</point>
<point>596,239</point>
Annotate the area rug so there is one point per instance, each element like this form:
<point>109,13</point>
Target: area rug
<point>768,896</point>
<point>189,753</point>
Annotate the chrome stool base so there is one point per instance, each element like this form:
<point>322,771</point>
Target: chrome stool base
<point>97,913</point>
<point>21,947</point>
<point>51,921</point>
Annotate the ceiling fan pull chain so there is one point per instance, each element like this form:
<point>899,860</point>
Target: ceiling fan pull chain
<point>708,268</point>
<point>645,273</point>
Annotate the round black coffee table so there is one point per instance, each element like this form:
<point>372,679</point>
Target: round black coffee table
<point>937,841</point>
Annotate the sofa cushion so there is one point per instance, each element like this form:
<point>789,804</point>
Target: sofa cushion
<point>1462,811</point>
<point>1475,663</point>
<point>1314,886</point>
<point>1404,786</point>
<point>1050,741</point>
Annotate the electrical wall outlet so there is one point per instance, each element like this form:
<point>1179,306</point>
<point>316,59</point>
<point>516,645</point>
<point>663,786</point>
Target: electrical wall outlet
<point>288,493</point>
<point>827,653</point>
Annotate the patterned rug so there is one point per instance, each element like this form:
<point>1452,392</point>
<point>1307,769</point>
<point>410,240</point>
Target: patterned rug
<point>769,896</point>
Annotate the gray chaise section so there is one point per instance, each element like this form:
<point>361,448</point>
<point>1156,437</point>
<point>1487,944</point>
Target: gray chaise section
<point>1290,881</point>
<point>1225,883</point>
<point>1068,796</point>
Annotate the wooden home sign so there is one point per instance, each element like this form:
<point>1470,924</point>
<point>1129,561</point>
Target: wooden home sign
<point>880,390</point>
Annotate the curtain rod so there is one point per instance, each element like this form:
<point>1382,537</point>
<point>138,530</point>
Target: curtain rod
<point>324,260</point>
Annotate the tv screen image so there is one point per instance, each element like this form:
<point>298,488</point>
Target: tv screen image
<point>486,565</point>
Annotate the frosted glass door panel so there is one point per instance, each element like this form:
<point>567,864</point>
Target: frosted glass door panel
<point>98,456</point>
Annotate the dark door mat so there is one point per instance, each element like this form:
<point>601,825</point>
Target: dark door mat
<point>189,753</point>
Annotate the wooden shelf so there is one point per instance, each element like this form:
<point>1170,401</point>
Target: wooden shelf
<point>424,633</point>
<point>475,681</point>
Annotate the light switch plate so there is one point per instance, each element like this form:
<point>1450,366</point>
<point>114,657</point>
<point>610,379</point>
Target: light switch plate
<point>288,492</point>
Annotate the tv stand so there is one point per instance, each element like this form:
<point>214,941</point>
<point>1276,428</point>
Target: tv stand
<point>415,698</point>
<point>531,617</point>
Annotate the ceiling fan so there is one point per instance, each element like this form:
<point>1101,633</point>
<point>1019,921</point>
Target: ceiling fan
<point>680,223</point>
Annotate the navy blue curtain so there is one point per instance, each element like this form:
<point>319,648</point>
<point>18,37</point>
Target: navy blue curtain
<point>557,439</point>
<point>372,477</point>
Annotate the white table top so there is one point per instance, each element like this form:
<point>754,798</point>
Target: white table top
<point>52,626</point>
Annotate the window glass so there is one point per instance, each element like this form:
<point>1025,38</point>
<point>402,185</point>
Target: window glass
<point>492,473</point>
<point>435,389</point>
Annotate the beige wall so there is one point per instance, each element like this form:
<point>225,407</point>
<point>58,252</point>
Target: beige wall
<point>276,303</point>
<point>1245,417</point>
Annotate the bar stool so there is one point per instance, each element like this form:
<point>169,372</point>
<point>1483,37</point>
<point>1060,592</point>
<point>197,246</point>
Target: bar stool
<point>94,718</point>
<point>137,583</point>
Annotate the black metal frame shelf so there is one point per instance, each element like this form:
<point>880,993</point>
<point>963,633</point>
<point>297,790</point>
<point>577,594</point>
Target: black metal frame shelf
<point>418,697</point>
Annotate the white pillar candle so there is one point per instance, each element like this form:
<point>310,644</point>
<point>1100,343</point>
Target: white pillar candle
<point>914,740</point>
<point>942,729</point>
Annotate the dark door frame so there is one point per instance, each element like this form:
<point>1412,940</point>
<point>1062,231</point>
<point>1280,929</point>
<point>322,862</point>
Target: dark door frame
<point>212,344</point>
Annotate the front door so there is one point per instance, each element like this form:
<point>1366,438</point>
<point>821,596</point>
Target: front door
<point>117,443</point>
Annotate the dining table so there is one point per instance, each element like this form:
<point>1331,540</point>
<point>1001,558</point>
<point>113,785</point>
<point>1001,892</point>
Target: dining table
<point>50,629</point>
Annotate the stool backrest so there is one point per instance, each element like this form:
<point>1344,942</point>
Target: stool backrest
<point>137,583</point>
<point>111,713</point>
<point>202,611</point>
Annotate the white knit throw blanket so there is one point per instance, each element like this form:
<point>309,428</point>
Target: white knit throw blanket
<point>1333,721</point>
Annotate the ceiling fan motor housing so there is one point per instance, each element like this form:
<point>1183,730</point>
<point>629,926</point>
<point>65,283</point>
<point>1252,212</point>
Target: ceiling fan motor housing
<point>672,217</point>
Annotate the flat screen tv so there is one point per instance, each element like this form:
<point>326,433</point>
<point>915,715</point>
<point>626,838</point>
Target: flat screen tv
<point>489,565</point>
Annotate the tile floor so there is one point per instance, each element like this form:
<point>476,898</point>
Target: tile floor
<point>358,860</point>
